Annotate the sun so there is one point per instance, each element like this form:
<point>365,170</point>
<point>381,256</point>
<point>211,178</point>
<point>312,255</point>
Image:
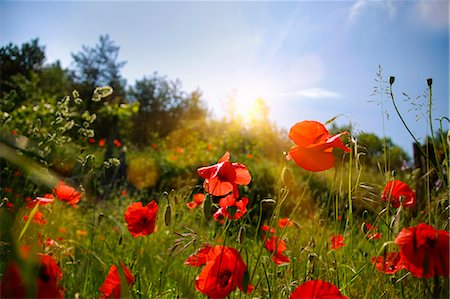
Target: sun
<point>245,102</point>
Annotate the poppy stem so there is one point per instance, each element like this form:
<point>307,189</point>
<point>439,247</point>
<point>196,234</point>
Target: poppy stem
<point>30,218</point>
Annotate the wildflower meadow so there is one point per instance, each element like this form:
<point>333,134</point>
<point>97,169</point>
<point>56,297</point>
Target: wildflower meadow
<point>98,202</point>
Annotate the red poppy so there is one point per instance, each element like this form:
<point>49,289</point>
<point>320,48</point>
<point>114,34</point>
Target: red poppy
<point>199,258</point>
<point>117,143</point>
<point>9,205</point>
<point>101,142</point>
<point>285,222</point>
<point>399,192</point>
<point>277,246</point>
<point>48,278</point>
<point>141,220</point>
<point>266,228</point>
<point>313,145</point>
<point>198,200</point>
<point>424,250</point>
<point>38,218</point>
<point>336,241</point>
<point>223,272</point>
<point>91,140</point>
<point>47,199</point>
<point>224,177</point>
<point>11,285</point>
<point>316,289</point>
<point>111,287</point>
<point>231,208</point>
<point>372,232</point>
<point>389,264</point>
<point>67,193</point>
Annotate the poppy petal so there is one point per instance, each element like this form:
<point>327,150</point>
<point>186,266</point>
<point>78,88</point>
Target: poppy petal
<point>308,132</point>
<point>312,160</point>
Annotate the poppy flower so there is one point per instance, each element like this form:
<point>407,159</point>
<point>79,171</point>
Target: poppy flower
<point>397,192</point>
<point>231,208</point>
<point>285,222</point>
<point>224,177</point>
<point>199,258</point>
<point>67,193</point>
<point>316,289</point>
<point>372,232</point>
<point>111,287</point>
<point>277,246</point>
<point>47,280</point>
<point>91,140</point>
<point>141,220</point>
<point>313,145</point>
<point>336,241</point>
<point>198,200</point>
<point>42,201</point>
<point>224,271</point>
<point>425,250</point>
<point>266,228</point>
<point>101,142</point>
<point>388,264</point>
<point>9,205</point>
<point>117,143</point>
<point>38,218</point>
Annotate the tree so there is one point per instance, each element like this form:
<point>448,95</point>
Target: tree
<point>99,66</point>
<point>25,77</point>
<point>162,103</point>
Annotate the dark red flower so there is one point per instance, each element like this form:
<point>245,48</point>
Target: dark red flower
<point>224,177</point>
<point>11,285</point>
<point>277,246</point>
<point>336,241</point>
<point>111,287</point>
<point>266,228</point>
<point>398,192</point>
<point>231,208</point>
<point>199,258</point>
<point>91,140</point>
<point>424,250</point>
<point>223,272</point>
<point>47,199</point>
<point>389,264</point>
<point>141,220</point>
<point>314,145</point>
<point>198,200</point>
<point>117,143</point>
<point>67,193</point>
<point>48,278</point>
<point>283,222</point>
<point>372,232</point>
<point>316,289</point>
<point>47,281</point>
<point>38,218</point>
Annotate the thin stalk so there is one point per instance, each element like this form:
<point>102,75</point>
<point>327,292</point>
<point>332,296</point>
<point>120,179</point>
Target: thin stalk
<point>403,121</point>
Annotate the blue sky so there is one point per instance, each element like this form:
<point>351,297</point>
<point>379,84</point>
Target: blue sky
<point>306,59</point>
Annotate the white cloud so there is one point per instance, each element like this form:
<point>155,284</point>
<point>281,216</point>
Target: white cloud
<point>362,5</point>
<point>434,13</point>
<point>311,93</point>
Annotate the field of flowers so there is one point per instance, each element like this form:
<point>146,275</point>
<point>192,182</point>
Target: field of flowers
<point>212,230</point>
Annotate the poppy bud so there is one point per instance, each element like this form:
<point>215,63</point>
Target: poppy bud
<point>168,216</point>
<point>391,80</point>
<point>430,82</point>
<point>241,235</point>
